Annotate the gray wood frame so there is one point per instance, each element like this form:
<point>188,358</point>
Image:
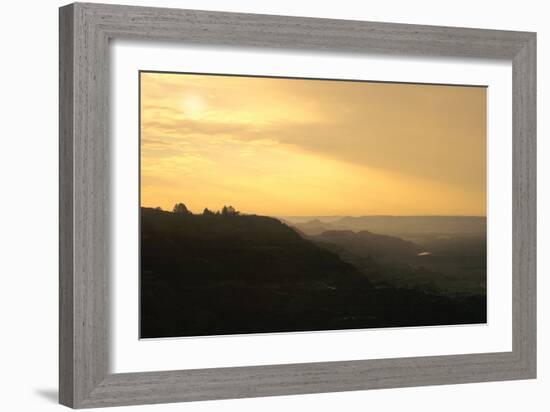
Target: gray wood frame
<point>85,31</point>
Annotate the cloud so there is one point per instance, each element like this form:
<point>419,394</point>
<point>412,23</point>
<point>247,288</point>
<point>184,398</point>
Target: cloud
<point>417,133</point>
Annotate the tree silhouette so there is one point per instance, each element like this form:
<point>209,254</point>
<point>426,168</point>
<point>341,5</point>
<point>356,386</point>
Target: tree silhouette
<point>229,211</point>
<point>207,212</point>
<point>182,209</point>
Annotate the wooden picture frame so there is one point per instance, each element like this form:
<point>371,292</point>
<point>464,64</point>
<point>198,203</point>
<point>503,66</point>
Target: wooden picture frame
<point>85,31</point>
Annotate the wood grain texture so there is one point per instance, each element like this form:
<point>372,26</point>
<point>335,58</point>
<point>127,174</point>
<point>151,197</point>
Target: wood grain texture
<point>85,31</point>
<point>524,125</point>
<point>66,229</point>
<point>83,344</point>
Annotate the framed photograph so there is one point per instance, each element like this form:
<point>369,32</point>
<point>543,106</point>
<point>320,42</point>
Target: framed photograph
<point>256,205</point>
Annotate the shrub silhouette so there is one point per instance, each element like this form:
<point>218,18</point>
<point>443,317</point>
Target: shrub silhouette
<point>182,209</point>
<point>229,211</point>
<point>208,212</point>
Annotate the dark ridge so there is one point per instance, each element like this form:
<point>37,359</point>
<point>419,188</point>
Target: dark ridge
<point>216,275</point>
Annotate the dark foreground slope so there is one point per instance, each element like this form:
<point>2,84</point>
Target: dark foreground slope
<point>212,275</point>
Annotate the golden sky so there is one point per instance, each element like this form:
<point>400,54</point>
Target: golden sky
<point>291,147</point>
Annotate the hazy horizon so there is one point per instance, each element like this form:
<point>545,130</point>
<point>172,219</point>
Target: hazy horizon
<point>213,209</point>
<point>375,215</point>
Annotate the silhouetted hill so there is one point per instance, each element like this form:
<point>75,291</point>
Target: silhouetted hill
<point>448,265</point>
<point>215,274</point>
<point>416,224</point>
<point>365,243</point>
<point>407,227</point>
<point>315,227</point>
<point>255,248</point>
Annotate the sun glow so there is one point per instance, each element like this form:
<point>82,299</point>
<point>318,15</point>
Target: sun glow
<point>194,106</point>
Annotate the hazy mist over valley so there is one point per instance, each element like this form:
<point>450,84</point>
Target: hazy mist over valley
<point>404,226</point>
<point>447,253</point>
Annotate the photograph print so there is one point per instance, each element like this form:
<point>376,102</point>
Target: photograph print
<point>272,205</point>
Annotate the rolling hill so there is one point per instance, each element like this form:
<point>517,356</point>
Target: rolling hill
<point>407,227</point>
<point>364,243</point>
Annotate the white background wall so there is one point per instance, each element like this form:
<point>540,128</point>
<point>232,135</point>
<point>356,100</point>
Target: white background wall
<point>28,209</point>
